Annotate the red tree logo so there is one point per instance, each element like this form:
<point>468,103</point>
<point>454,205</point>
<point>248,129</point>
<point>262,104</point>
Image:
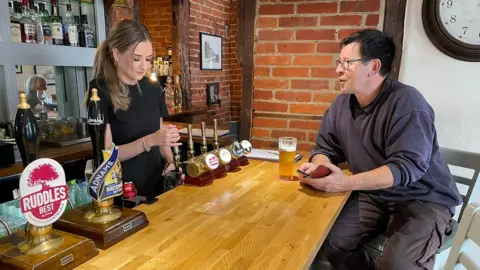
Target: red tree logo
<point>42,175</point>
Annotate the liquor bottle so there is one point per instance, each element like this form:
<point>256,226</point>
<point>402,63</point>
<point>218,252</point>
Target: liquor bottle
<point>96,128</point>
<point>28,24</point>
<point>46,26</point>
<point>37,19</point>
<point>178,93</point>
<point>170,57</point>
<point>56,24</point>
<point>85,34</point>
<point>26,132</point>
<point>15,24</point>
<point>70,28</point>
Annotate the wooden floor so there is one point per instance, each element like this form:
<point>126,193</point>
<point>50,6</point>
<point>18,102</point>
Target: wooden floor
<point>247,220</point>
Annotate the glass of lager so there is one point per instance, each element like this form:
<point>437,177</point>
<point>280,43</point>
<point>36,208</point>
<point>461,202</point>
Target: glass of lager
<point>287,147</point>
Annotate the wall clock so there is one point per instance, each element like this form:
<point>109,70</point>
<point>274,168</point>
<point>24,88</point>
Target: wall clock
<point>453,26</point>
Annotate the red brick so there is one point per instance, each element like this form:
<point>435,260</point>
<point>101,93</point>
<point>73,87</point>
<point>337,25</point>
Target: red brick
<point>372,20</point>
<point>301,136</point>
<point>273,60</point>
<point>270,106</point>
<point>305,146</point>
<point>328,47</point>
<point>325,97</point>
<point>262,71</point>
<point>270,84</point>
<point>290,72</point>
<point>296,47</point>
<point>317,8</point>
<point>313,60</point>
<point>343,33</point>
<point>304,124</point>
<point>275,35</point>
<point>266,22</point>
<point>276,9</point>
<point>260,132</point>
<point>297,21</point>
<point>259,94</point>
<point>315,109</point>
<point>311,34</point>
<point>341,20</point>
<point>360,6</point>
<point>269,122</point>
<point>293,96</point>
<point>312,136</point>
<point>310,84</point>
<point>265,48</point>
<point>324,72</point>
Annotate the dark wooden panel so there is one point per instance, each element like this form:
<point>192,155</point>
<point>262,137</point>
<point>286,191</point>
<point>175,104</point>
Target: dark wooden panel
<point>246,36</point>
<point>181,43</point>
<point>394,22</point>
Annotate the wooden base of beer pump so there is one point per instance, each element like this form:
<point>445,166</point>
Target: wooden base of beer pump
<point>102,221</point>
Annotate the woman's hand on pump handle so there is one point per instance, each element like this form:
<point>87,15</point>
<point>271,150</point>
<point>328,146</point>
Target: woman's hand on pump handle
<point>167,135</point>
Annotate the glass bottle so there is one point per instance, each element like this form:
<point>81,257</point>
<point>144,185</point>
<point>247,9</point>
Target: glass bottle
<point>28,24</point>
<point>46,26</point>
<point>15,24</point>
<point>85,34</point>
<point>70,28</point>
<point>56,24</point>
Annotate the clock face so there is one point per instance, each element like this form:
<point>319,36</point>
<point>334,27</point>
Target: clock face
<point>461,18</point>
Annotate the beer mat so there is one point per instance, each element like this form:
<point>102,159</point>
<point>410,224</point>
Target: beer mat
<point>196,132</point>
<point>268,155</point>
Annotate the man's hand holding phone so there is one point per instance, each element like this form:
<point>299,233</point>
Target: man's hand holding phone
<point>326,177</point>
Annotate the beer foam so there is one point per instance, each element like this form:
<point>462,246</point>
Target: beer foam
<point>287,148</point>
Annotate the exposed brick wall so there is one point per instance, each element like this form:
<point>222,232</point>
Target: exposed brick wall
<point>212,16</point>
<point>157,16</point>
<point>116,14</point>
<point>295,50</point>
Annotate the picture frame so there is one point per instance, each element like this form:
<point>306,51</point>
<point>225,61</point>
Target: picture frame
<point>210,52</point>
<point>213,93</point>
<point>19,69</point>
<point>47,72</point>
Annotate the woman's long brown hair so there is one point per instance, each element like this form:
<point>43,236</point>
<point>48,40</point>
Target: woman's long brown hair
<point>127,33</point>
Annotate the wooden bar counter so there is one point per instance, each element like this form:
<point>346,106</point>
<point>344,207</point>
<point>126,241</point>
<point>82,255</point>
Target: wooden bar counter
<point>247,220</point>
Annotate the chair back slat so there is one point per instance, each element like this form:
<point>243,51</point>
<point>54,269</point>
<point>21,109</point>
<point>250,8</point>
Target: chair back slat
<point>463,159</point>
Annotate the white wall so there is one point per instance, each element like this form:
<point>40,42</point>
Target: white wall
<point>450,86</point>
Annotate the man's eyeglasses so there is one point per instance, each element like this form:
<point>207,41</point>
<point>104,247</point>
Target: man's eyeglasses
<point>346,64</point>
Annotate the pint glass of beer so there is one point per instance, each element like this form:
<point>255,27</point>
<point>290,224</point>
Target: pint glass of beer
<point>287,147</point>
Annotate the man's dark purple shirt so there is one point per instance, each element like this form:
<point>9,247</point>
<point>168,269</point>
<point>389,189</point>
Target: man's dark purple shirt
<point>397,130</point>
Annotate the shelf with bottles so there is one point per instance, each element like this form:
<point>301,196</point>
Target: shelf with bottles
<point>53,22</point>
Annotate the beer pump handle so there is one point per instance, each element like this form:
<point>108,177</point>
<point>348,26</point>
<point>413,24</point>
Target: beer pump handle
<point>191,149</point>
<point>204,140</point>
<point>215,135</point>
<point>176,158</point>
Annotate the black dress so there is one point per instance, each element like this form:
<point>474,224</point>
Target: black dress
<point>142,118</point>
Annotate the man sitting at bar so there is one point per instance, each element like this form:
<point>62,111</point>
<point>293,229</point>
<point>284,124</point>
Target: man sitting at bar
<point>401,185</point>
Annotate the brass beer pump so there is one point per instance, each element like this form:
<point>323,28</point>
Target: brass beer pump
<point>199,169</point>
<point>191,149</point>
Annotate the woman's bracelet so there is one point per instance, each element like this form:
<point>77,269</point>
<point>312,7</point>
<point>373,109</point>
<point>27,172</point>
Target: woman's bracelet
<point>147,149</point>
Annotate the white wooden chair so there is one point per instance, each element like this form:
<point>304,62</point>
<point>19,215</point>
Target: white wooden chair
<point>469,229</point>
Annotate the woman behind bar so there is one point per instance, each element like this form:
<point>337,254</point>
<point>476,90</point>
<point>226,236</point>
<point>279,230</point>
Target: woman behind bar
<point>133,106</point>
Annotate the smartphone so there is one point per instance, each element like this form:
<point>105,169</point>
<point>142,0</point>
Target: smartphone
<point>303,173</point>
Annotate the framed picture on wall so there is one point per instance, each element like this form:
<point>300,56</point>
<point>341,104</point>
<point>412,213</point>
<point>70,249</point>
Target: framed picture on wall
<point>18,69</point>
<point>47,72</point>
<point>213,93</point>
<point>210,52</point>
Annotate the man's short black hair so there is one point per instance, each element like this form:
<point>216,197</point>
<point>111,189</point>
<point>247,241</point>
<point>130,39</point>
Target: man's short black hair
<point>374,44</point>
